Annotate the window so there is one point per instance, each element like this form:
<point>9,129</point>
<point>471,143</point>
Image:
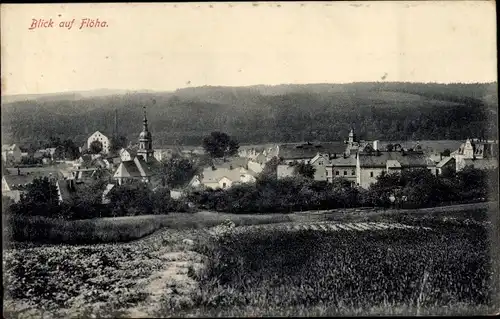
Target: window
<point>353,173</point>
<point>223,185</point>
<point>345,173</point>
<point>320,163</point>
<point>336,172</point>
<point>371,174</point>
<point>326,173</point>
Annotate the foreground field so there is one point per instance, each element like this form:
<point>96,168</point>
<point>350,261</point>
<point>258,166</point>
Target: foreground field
<point>309,272</point>
<point>361,264</point>
<point>108,280</point>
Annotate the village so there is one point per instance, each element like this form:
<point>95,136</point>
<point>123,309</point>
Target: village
<point>264,159</point>
<point>357,161</point>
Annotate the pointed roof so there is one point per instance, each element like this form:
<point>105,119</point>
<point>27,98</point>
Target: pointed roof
<point>214,176</point>
<point>444,161</point>
<point>106,191</point>
<point>135,168</point>
<point>8,147</point>
<point>130,150</point>
<point>145,134</point>
<point>127,169</point>
<point>64,190</point>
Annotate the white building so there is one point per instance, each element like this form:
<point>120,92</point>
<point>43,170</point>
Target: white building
<point>225,174</point>
<point>163,154</point>
<point>11,153</point>
<point>127,154</point>
<point>98,136</point>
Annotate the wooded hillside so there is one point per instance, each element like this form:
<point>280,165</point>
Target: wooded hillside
<point>258,114</point>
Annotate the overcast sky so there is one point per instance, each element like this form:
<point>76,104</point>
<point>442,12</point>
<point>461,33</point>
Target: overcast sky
<point>162,47</point>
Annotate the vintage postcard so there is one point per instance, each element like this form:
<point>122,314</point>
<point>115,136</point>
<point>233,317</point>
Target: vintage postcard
<point>249,159</point>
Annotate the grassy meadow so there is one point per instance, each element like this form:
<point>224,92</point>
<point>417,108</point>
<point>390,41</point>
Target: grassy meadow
<point>42,230</point>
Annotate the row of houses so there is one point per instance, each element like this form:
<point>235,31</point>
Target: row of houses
<point>357,161</point>
<point>362,162</point>
<point>12,154</point>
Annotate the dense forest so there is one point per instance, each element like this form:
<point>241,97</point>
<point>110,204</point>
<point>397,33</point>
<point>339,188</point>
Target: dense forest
<point>259,114</point>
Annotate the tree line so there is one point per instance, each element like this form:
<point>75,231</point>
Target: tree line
<point>410,189</point>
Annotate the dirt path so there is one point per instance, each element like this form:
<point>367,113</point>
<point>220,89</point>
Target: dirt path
<point>167,284</point>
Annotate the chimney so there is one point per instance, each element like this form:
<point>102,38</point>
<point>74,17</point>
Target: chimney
<point>375,145</point>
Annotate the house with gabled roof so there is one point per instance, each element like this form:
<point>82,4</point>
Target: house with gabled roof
<point>225,173</point>
<point>480,154</point>
<point>127,154</point>
<point>320,163</point>
<point>342,166</point>
<point>304,152</point>
<point>101,138</point>
<point>448,162</point>
<point>370,165</point>
<point>136,169</point>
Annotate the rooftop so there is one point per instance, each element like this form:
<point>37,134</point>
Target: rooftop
<point>404,159</point>
<point>212,176</point>
<point>309,150</point>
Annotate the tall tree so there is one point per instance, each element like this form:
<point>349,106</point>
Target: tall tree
<point>175,171</point>
<point>131,199</point>
<point>40,198</point>
<point>95,147</point>
<point>271,167</point>
<point>304,169</point>
<point>219,144</point>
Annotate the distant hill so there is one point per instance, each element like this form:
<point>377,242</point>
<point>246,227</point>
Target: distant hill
<point>66,95</point>
<point>260,114</point>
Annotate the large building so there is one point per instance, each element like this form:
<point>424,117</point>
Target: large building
<point>101,138</point>
<point>342,166</point>
<point>371,164</point>
<point>481,154</point>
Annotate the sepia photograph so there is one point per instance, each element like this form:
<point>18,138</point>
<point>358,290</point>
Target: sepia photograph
<point>250,159</point>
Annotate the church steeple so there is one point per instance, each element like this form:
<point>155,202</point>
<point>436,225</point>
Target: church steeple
<point>145,140</point>
<point>352,136</point>
<point>145,121</point>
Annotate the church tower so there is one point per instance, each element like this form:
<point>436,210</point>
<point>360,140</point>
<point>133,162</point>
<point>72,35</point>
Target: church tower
<point>352,136</point>
<point>145,141</point>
